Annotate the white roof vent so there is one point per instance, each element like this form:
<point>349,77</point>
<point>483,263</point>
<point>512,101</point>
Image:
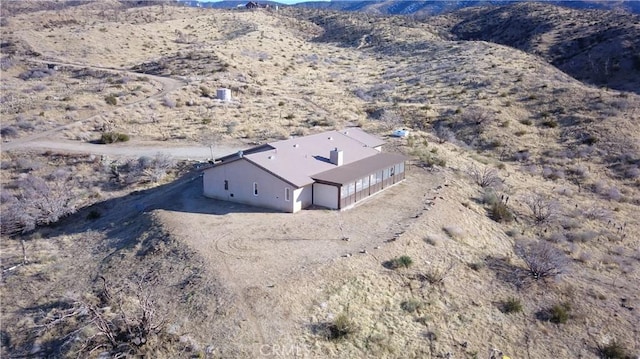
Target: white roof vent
<point>271,157</point>
<point>296,145</point>
<point>330,138</point>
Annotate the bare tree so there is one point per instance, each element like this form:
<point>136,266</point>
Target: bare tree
<point>543,260</point>
<point>477,116</point>
<point>443,133</point>
<point>40,202</point>
<point>123,325</point>
<point>486,177</point>
<point>542,208</point>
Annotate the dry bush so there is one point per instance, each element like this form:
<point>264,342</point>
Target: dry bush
<point>582,236</point>
<point>613,350</point>
<point>542,208</point>
<point>597,213</point>
<point>39,202</point>
<point>122,322</point>
<point>443,133</point>
<point>501,213</point>
<point>399,262</point>
<point>486,177</point>
<point>155,168</point>
<point>9,131</point>
<point>511,305</point>
<point>543,260</point>
<point>453,232</point>
<point>436,275</point>
<point>339,328</point>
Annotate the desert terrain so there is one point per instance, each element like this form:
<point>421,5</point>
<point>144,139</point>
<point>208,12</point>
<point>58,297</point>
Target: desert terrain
<point>516,230</point>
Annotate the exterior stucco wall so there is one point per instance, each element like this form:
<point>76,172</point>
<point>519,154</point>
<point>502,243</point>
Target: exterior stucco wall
<point>325,195</point>
<point>303,197</point>
<point>241,176</point>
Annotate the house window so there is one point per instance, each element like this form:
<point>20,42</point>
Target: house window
<point>226,185</point>
<point>287,194</point>
<point>255,188</point>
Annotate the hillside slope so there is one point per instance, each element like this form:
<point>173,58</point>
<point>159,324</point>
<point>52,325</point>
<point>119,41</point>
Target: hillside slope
<point>509,156</point>
<point>595,46</point>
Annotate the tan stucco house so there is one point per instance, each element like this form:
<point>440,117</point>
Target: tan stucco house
<point>333,169</point>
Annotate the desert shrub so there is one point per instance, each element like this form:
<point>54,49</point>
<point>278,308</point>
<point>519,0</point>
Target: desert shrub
<point>612,194</point>
<point>433,240</point>
<point>476,266</point>
<point>590,140</point>
<point>511,305</point>
<point>436,274</point>
<point>453,231</point>
<point>231,127</point>
<point>559,313</point>
<point>36,74</point>
<point>205,91</point>
<point>542,209</point>
<point>557,237</point>
<point>341,327</point>
<point>6,62</point>
<point>154,168</point>
<point>485,177</point>
<point>526,122</point>
<point>550,123</point>
<point>411,305</point>
<point>113,137</point>
<point>632,172</point>
<point>443,133</point>
<point>9,131</point>
<point>94,214</point>
<point>523,156</point>
<point>551,173</point>
<point>25,125</point>
<point>27,165</point>
<point>542,259</point>
<point>169,102</point>
<point>500,212</point>
<point>429,159</point>
<point>613,350</point>
<point>39,202</point>
<point>399,262</point>
<point>39,87</point>
<point>111,100</point>
<point>582,237</point>
<point>596,213</point>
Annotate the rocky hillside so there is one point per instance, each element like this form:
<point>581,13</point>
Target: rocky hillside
<point>595,46</point>
<point>515,231</point>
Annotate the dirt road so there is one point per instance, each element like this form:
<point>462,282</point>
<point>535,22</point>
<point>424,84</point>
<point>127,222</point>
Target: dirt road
<point>47,141</point>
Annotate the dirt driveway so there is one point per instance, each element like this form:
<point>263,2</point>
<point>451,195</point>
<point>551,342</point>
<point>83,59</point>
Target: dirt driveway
<point>270,260</point>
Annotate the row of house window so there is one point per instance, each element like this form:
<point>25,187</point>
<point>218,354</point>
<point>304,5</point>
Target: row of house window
<point>371,180</point>
<point>287,190</point>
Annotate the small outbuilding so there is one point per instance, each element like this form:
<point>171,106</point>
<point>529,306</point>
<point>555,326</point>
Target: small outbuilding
<point>223,94</point>
<point>333,169</point>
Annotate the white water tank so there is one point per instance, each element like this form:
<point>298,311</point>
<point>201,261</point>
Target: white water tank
<point>223,94</point>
